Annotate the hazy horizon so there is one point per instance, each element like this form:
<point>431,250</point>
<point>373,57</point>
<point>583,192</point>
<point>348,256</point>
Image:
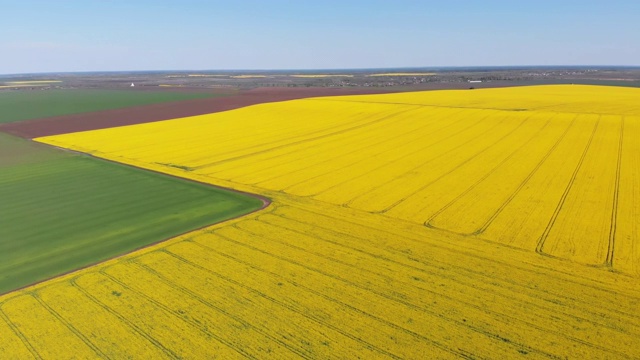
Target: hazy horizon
<point>78,36</point>
<point>337,70</point>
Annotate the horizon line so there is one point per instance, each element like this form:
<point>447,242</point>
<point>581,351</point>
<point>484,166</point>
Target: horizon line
<point>340,70</point>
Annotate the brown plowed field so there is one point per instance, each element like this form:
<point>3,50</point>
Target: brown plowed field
<point>148,113</point>
<point>157,112</point>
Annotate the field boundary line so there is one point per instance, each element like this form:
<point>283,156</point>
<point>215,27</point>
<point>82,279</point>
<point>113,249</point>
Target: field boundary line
<point>266,202</point>
<point>242,98</point>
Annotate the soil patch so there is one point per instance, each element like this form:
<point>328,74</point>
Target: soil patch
<point>164,111</point>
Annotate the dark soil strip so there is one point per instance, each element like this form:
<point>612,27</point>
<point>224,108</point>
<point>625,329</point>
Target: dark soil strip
<point>149,113</point>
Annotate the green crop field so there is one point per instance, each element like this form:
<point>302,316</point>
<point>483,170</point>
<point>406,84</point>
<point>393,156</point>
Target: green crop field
<point>26,105</point>
<point>60,211</point>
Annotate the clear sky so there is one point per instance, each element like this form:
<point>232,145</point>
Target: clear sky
<point>94,35</point>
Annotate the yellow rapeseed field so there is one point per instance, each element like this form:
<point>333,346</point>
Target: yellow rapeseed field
<point>406,226</point>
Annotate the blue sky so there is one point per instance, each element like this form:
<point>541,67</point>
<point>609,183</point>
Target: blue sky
<point>71,35</point>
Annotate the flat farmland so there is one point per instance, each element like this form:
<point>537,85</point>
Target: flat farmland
<point>217,101</point>
<point>61,211</point>
<point>517,166</point>
<point>24,105</point>
<point>482,224</point>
